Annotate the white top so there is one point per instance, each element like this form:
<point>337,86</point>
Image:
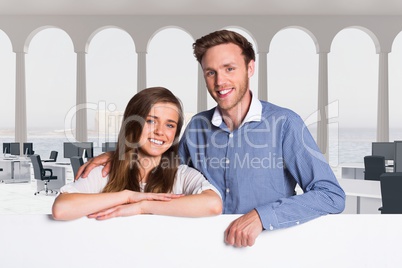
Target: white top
<point>188,181</point>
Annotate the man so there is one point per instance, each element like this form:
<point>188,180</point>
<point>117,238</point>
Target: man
<point>254,152</point>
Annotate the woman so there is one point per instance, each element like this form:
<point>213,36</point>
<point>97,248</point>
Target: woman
<point>145,176</point>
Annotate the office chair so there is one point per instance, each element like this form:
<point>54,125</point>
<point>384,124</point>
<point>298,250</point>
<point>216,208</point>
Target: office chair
<point>52,157</point>
<point>40,174</point>
<point>391,185</point>
<point>374,166</point>
<point>76,162</point>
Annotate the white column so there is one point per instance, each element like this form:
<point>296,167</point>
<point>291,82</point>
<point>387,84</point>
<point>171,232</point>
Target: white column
<point>322,125</point>
<point>262,76</point>
<point>202,104</point>
<point>383,102</point>
<point>81,131</point>
<point>142,71</point>
<point>20,99</point>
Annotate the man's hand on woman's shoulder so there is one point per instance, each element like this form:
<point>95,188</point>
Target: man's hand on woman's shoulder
<point>100,160</point>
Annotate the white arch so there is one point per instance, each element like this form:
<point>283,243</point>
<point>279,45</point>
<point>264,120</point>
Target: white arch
<point>373,37</point>
<point>97,31</point>
<point>37,30</point>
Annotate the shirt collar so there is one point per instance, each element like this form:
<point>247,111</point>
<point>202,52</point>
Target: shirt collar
<point>254,113</point>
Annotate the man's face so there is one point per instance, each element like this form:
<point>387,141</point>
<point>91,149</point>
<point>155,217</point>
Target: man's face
<point>226,75</point>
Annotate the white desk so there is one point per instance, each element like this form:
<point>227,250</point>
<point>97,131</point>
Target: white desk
<point>353,171</point>
<point>362,188</point>
<point>345,241</point>
<point>15,170</point>
<point>63,173</point>
<point>362,196</point>
<point>356,171</point>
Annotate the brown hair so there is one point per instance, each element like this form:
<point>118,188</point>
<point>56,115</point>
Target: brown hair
<point>125,173</point>
<point>204,43</point>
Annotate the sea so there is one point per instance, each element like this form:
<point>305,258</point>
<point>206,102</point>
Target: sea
<point>346,145</point>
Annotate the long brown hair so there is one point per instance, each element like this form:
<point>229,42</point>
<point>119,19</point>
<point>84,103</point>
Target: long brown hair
<point>125,173</point>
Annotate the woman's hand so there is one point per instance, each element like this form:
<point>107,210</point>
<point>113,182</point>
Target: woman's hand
<point>133,206</point>
<point>134,197</point>
<point>118,211</point>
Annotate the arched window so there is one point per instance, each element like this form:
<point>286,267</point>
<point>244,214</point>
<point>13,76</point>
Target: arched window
<point>352,82</point>
<point>50,88</point>
<point>395,90</point>
<point>293,72</point>
<point>7,85</point>
<point>111,83</point>
<point>171,64</point>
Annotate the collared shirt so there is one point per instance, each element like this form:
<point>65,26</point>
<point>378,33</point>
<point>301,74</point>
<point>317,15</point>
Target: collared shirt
<point>258,165</point>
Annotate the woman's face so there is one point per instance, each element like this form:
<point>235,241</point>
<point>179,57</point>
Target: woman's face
<point>159,129</point>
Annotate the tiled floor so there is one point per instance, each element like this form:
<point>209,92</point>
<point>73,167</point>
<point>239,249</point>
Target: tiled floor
<point>19,198</point>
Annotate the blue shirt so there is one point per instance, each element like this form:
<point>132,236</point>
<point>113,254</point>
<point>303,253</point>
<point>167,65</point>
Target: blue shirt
<point>258,165</point>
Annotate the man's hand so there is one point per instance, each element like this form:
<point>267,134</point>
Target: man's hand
<point>102,159</point>
<point>243,231</point>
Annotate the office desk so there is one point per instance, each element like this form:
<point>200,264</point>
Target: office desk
<point>356,171</point>
<point>362,196</point>
<point>63,173</point>
<point>353,171</point>
<point>15,170</point>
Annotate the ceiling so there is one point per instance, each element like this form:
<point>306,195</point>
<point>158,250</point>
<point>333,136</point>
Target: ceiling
<point>200,7</point>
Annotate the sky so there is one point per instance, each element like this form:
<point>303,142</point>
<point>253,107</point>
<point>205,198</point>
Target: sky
<point>112,75</point>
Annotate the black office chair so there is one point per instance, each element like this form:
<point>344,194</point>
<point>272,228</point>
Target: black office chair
<point>40,174</point>
<point>76,162</point>
<point>374,166</point>
<point>391,185</point>
<point>52,157</point>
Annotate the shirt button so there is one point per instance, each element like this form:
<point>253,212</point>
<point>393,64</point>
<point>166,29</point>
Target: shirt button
<point>227,190</point>
<point>231,135</point>
<point>227,161</point>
